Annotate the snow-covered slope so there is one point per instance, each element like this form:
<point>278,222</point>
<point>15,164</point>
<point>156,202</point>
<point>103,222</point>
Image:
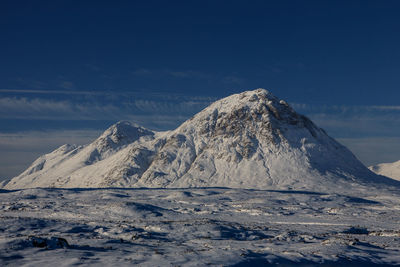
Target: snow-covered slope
<point>391,170</point>
<point>247,140</point>
<point>57,168</point>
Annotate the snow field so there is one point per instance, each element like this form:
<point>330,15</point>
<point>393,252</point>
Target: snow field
<point>196,227</point>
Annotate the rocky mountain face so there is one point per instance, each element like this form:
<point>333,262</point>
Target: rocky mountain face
<point>247,140</point>
<point>391,170</point>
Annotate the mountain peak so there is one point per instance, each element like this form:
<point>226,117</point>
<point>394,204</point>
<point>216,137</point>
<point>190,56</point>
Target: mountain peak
<point>125,130</point>
<point>251,99</point>
<point>121,133</point>
<point>257,102</point>
<point>257,113</point>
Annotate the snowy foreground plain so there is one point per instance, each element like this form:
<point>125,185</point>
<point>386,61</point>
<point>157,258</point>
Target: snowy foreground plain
<point>197,227</point>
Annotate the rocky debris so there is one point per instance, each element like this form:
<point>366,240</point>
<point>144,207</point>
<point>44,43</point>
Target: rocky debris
<point>52,243</point>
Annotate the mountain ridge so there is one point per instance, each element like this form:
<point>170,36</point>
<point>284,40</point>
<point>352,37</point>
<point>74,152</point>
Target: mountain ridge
<point>251,139</point>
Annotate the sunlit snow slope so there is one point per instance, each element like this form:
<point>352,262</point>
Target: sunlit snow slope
<point>247,140</point>
<point>391,170</point>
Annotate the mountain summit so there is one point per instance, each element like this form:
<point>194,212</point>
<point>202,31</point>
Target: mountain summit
<point>249,140</point>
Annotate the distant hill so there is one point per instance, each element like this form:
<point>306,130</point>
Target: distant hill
<point>391,170</point>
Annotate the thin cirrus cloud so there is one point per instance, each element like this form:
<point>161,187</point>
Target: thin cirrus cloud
<point>110,94</point>
<point>67,85</point>
<point>126,106</point>
<point>13,107</point>
<point>350,121</point>
<point>343,108</point>
<point>160,114</point>
<point>47,92</point>
<point>37,108</point>
<point>397,108</point>
<point>166,112</point>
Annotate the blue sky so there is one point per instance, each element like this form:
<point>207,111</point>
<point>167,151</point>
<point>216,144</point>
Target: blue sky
<point>69,69</point>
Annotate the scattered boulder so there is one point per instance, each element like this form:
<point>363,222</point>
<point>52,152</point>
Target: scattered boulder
<point>52,243</point>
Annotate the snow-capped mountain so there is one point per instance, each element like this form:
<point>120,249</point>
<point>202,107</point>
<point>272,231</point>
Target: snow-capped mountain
<point>247,140</point>
<point>391,170</point>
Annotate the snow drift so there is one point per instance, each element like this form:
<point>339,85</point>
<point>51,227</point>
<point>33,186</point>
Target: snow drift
<point>247,140</point>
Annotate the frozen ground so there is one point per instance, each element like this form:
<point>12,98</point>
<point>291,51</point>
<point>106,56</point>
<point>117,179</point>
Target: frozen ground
<point>189,227</point>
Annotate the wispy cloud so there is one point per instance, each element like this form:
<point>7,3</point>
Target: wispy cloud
<point>345,121</point>
<point>51,92</point>
<point>343,108</point>
<point>340,121</point>
<point>37,108</point>
<point>397,108</point>
<point>67,85</point>
<point>158,112</point>
<point>158,96</point>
